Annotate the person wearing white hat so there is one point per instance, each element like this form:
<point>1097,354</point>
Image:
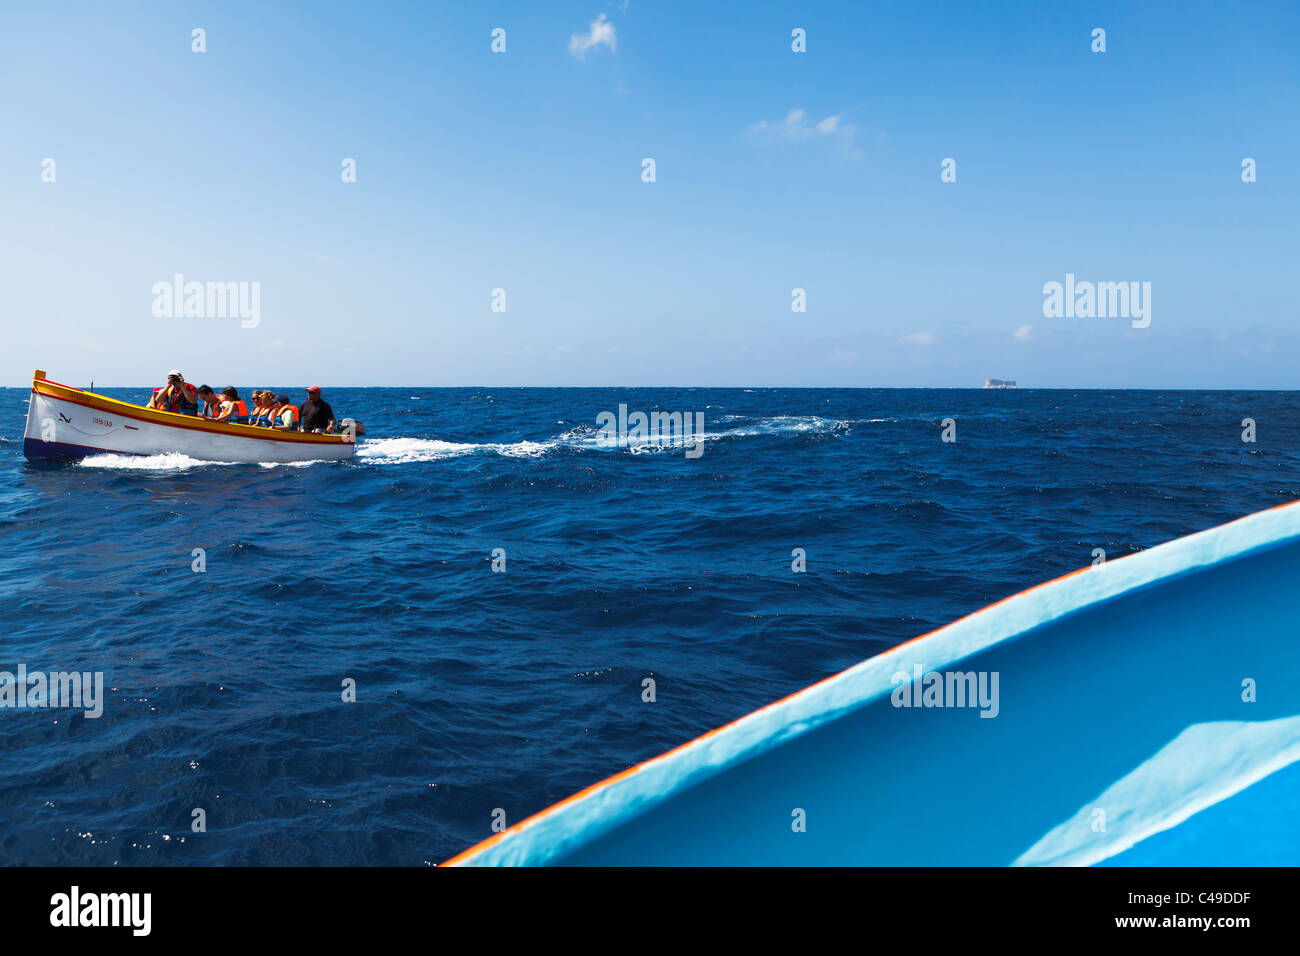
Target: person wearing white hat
<point>177,395</point>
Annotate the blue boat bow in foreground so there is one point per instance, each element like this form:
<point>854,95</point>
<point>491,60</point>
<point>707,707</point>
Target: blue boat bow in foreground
<point>1131,700</point>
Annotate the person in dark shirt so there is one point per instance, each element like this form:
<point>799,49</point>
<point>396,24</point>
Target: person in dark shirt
<point>315,413</point>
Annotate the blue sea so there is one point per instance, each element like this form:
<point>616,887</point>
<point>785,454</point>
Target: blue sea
<point>487,694</point>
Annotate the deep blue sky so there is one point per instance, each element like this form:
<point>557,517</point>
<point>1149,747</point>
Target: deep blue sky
<point>523,171</point>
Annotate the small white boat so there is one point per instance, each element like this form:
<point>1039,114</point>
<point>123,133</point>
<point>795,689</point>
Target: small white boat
<point>65,424</point>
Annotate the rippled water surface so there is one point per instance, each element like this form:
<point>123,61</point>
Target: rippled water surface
<point>479,690</point>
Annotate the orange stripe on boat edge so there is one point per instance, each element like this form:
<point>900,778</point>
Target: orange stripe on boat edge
<point>609,781</point>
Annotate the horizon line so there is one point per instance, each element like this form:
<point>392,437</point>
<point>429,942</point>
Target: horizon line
<point>900,388</point>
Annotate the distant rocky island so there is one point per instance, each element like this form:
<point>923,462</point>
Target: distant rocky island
<point>998,383</point>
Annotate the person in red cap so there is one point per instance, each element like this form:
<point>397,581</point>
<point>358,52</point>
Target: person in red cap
<point>315,414</point>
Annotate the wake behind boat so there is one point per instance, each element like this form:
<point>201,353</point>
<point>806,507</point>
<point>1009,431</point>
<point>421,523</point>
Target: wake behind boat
<point>66,424</point>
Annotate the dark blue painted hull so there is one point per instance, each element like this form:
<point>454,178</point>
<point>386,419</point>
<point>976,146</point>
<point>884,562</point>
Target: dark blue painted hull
<point>54,452</point>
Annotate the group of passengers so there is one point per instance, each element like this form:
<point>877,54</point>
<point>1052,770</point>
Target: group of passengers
<point>269,410</point>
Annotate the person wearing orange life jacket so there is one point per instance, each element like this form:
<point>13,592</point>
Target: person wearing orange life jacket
<point>285,414</point>
<point>271,411</point>
<point>260,413</point>
<point>177,396</point>
<point>209,402</point>
<point>232,408</point>
<point>268,408</point>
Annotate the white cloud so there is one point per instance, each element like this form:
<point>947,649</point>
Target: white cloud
<point>919,338</point>
<point>602,31</point>
<point>1024,333</point>
<point>796,126</point>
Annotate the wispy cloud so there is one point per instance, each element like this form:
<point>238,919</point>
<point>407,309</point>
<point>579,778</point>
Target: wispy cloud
<point>601,31</point>
<point>797,127</point>
<point>1024,333</point>
<point>919,338</point>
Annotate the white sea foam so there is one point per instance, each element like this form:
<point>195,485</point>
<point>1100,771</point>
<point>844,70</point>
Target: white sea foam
<point>789,424</point>
<point>174,462</point>
<point>292,464</point>
<point>170,462</point>
<point>400,451</point>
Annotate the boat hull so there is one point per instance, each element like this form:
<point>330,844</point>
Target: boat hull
<point>67,424</point>
<point>1147,711</point>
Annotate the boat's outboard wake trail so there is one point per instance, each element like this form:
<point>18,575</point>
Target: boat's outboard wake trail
<point>399,451</point>
<point>586,437</point>
<point>582,438</point>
